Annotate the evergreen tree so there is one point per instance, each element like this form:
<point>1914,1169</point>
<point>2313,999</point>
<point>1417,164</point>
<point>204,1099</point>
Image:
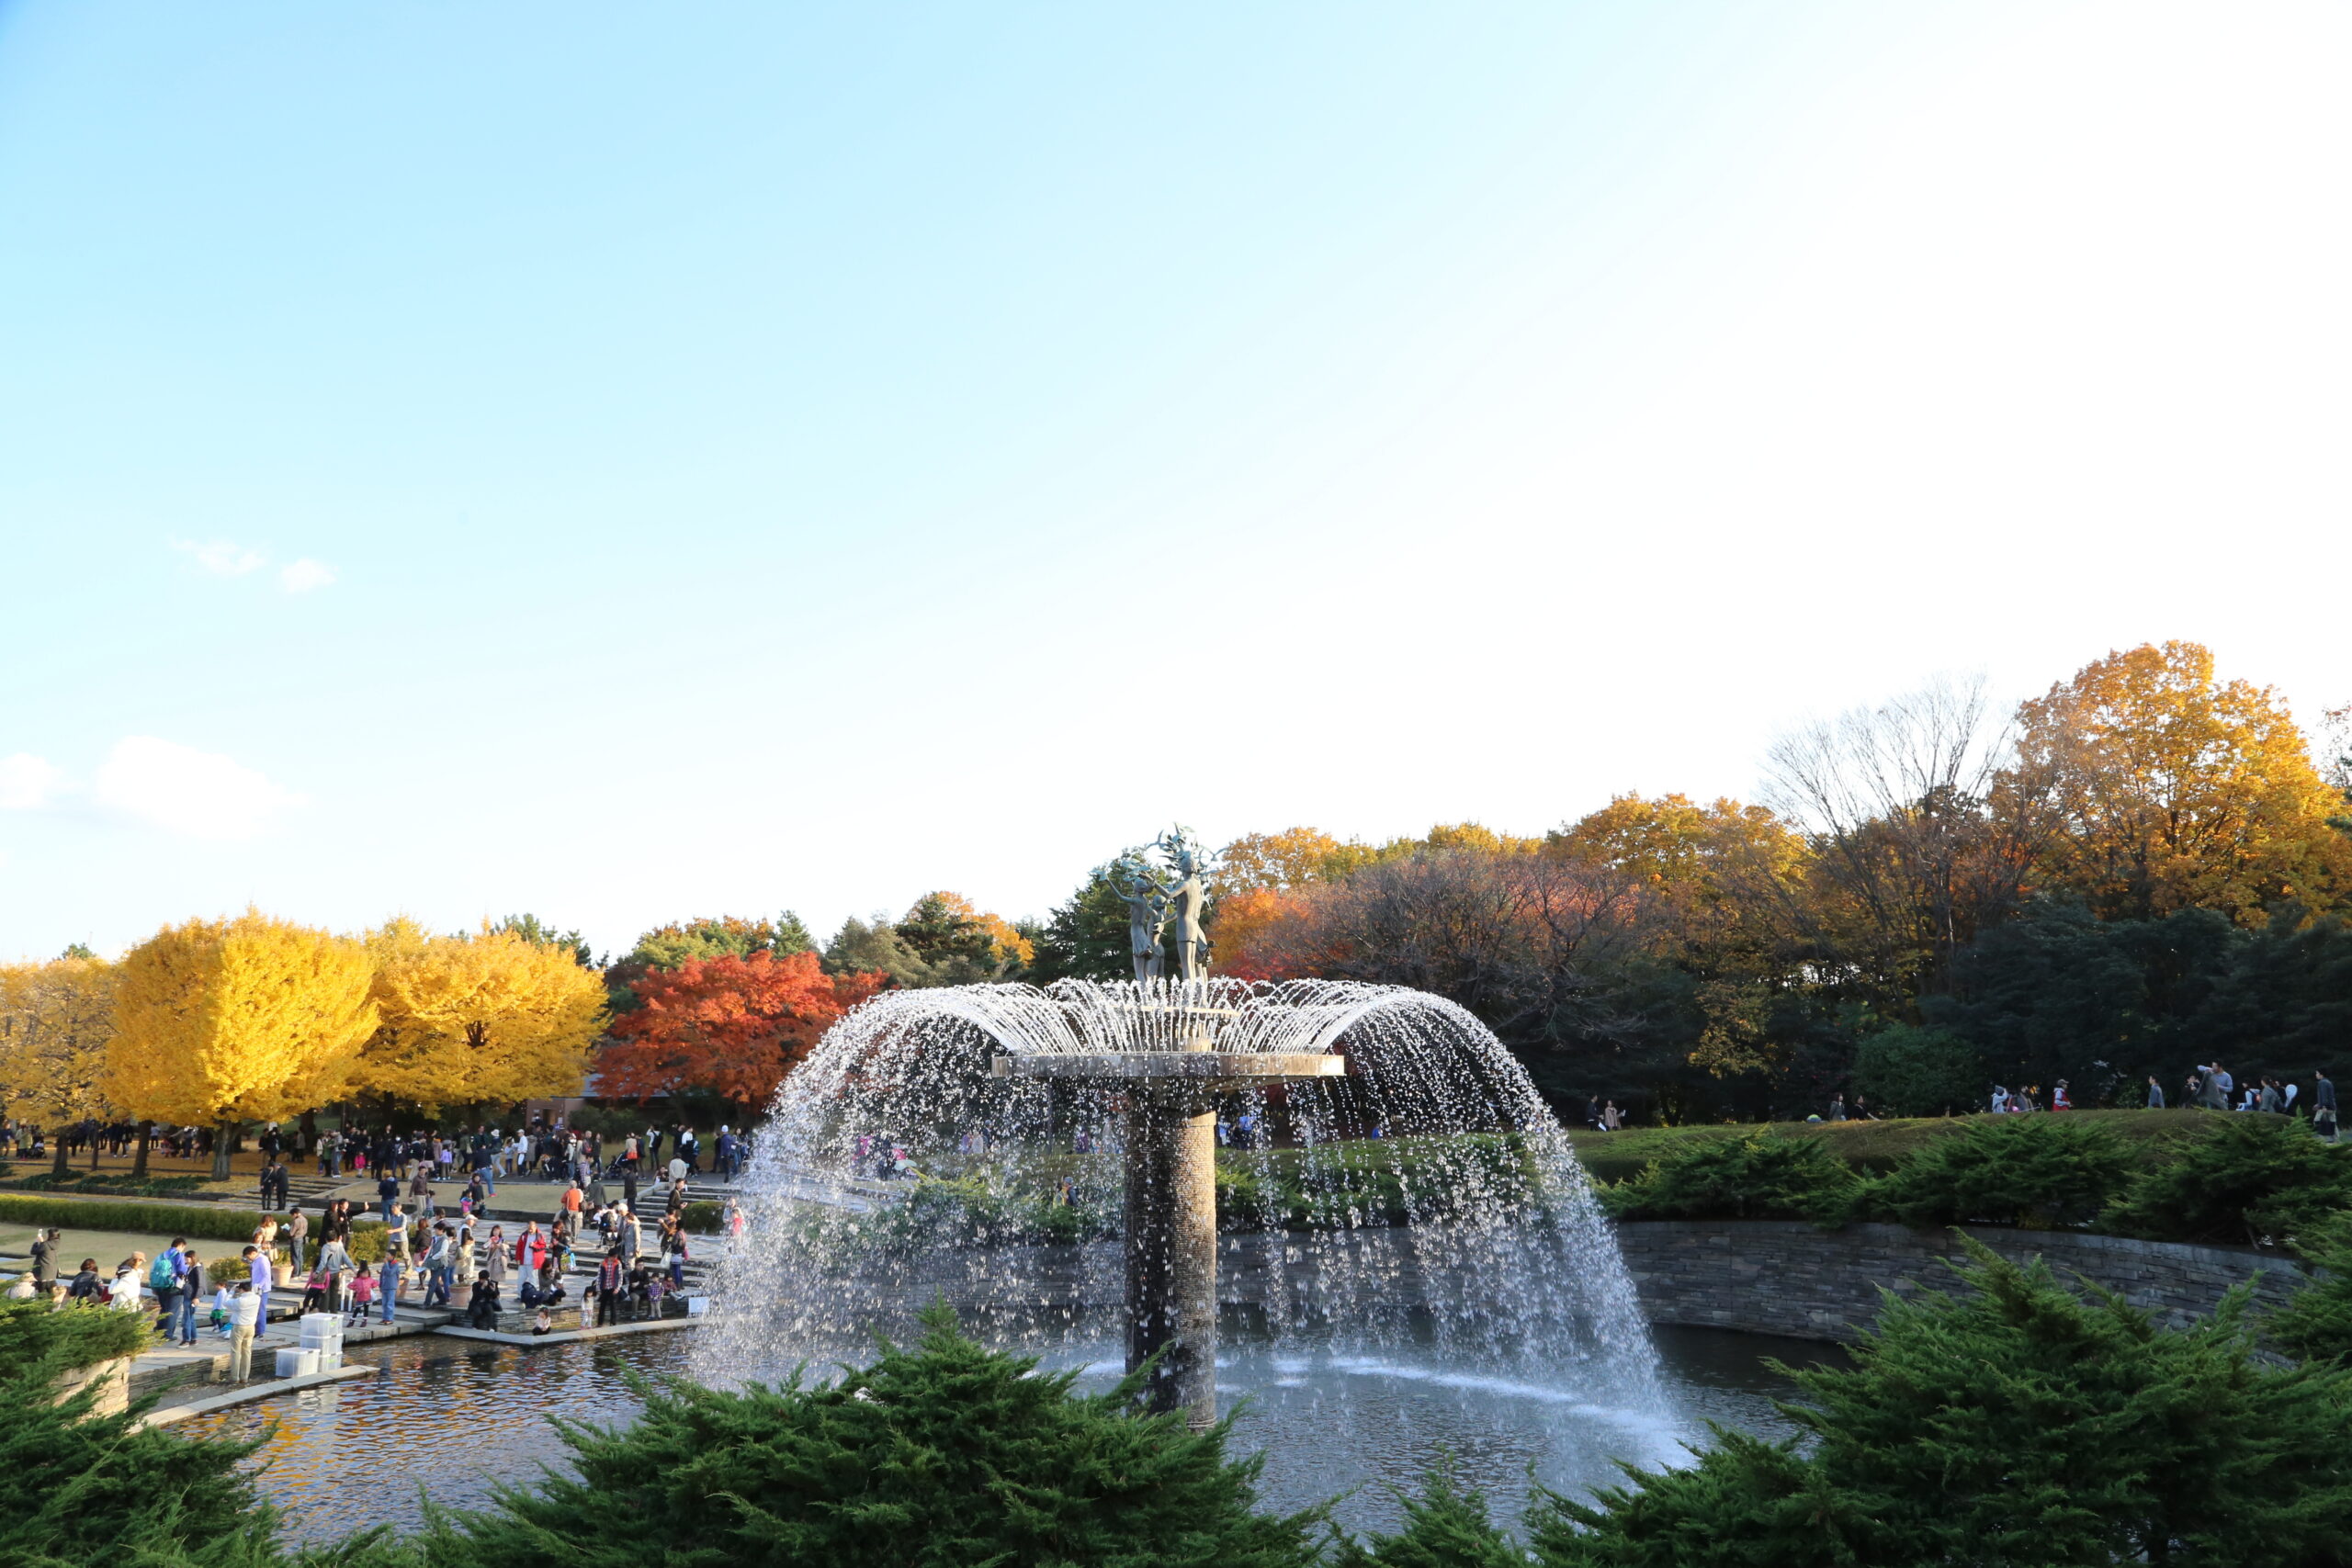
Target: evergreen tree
<point>1086,936</point>
<point>942,1456</point>
<point>1445,1526</point>
<point>2245,1179</point>
<point>861,949</point>
<point>2035,1170</point>
<point>791,936</point>
<point>77,1487</point>
<point>1761,1177</point>
<point>2013,1426</point>
<point>2316,1321</point>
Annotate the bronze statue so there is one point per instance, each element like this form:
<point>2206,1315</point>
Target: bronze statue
<point>1158,896</point>
<point>1137,883</point>
<point>1187,900</point>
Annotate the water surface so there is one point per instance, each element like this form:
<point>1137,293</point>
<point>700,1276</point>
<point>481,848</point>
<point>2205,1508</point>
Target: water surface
<point>456,1418</point>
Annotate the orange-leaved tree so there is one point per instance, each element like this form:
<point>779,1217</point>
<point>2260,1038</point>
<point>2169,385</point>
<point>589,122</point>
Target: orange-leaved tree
<point>730,1026</point>
<point>2174,790</point>
<point>1258,934</point>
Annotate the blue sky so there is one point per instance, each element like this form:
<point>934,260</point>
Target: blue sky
<point>630,464</point>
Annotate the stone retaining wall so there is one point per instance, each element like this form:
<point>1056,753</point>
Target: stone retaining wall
<point>1786,1277</point>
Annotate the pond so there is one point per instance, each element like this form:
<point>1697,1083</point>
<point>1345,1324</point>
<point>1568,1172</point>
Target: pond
<point>455,1418</point>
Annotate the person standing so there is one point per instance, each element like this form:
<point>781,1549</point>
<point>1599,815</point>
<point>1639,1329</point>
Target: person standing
<point>335,1259</point>
<point>2269,1101</point>
<point>244,1313</point>
<point>2155,1093</point>
<point>297,1237</point>
<point>258,1275</point>
<point>163,1277</point>
<point>2322,1107</point>
<point>388,1192</point>
<point>496,1256</point>
<point>45,1250</point>
<point>608,1290</point>
<point>387,1286</point>
<point>436,1268</point>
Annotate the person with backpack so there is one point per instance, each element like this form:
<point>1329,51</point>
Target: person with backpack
<point>165,1278</point>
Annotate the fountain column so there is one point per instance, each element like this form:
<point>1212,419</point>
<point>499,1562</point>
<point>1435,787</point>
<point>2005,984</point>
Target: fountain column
<point>1171,1248</point>
<point>1171,1195</point>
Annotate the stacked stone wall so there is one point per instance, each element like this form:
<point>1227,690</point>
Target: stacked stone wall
<point>1785,1277</point>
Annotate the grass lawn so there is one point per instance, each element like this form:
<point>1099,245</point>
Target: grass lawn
<point>1874,1146</point>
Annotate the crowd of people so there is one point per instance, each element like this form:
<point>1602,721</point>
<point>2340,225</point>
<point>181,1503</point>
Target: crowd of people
<point>435,1253</point>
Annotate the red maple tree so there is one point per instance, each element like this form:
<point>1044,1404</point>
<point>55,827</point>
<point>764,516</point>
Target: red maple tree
<point>729,1026</point>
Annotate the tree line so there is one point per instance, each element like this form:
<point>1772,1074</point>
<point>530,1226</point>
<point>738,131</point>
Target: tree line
<point>252,1019</point>
<point>2142,870</point>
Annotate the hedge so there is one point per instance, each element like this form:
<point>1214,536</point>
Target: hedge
<point>211,1223</point>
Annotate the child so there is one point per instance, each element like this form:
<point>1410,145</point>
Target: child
<point>542,1323</point>
<point>315,1291</point>
<point>220,1309</point>
<point>363,1295</point>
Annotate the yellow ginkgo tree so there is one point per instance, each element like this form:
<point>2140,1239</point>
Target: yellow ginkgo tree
<point>55,1020</point>
<point>221,1023</point>
<point>473,1019</point>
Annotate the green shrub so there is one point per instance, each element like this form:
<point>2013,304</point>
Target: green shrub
<point>947,1454</point>
<point>1375,1181</point>
<point>1918,1072</point>
<point>2036,1171</point>
<point>206,1223</point>
<point>2010,1426</point>
<point>2316,1321</point>
<point>1445,1526</point>
<point>1761,1177</point>
<point>2249,1177</point>
<point>78,1487</point>
<point>35,1331</point>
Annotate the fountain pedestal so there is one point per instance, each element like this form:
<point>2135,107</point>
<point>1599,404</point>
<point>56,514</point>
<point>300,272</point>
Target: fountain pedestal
<point>1171,1198</point>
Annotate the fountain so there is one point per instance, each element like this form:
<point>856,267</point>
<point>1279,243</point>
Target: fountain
<point>1390,1173</point>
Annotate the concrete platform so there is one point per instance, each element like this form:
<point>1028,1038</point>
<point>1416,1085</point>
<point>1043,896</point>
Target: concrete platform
<point>247,1394</point>
<point>652,1326</point>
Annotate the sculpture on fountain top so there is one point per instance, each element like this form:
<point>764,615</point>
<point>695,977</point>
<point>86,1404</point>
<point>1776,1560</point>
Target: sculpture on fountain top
<point>1160,896</point>
<point>1137,883</point>
<point>1187,900</point>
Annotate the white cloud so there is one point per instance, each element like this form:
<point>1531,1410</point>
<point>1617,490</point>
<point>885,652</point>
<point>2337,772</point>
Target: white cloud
<point>223,558</point>
<point>302,575</point>
<point>200,794</point>
<point>28,783</point>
